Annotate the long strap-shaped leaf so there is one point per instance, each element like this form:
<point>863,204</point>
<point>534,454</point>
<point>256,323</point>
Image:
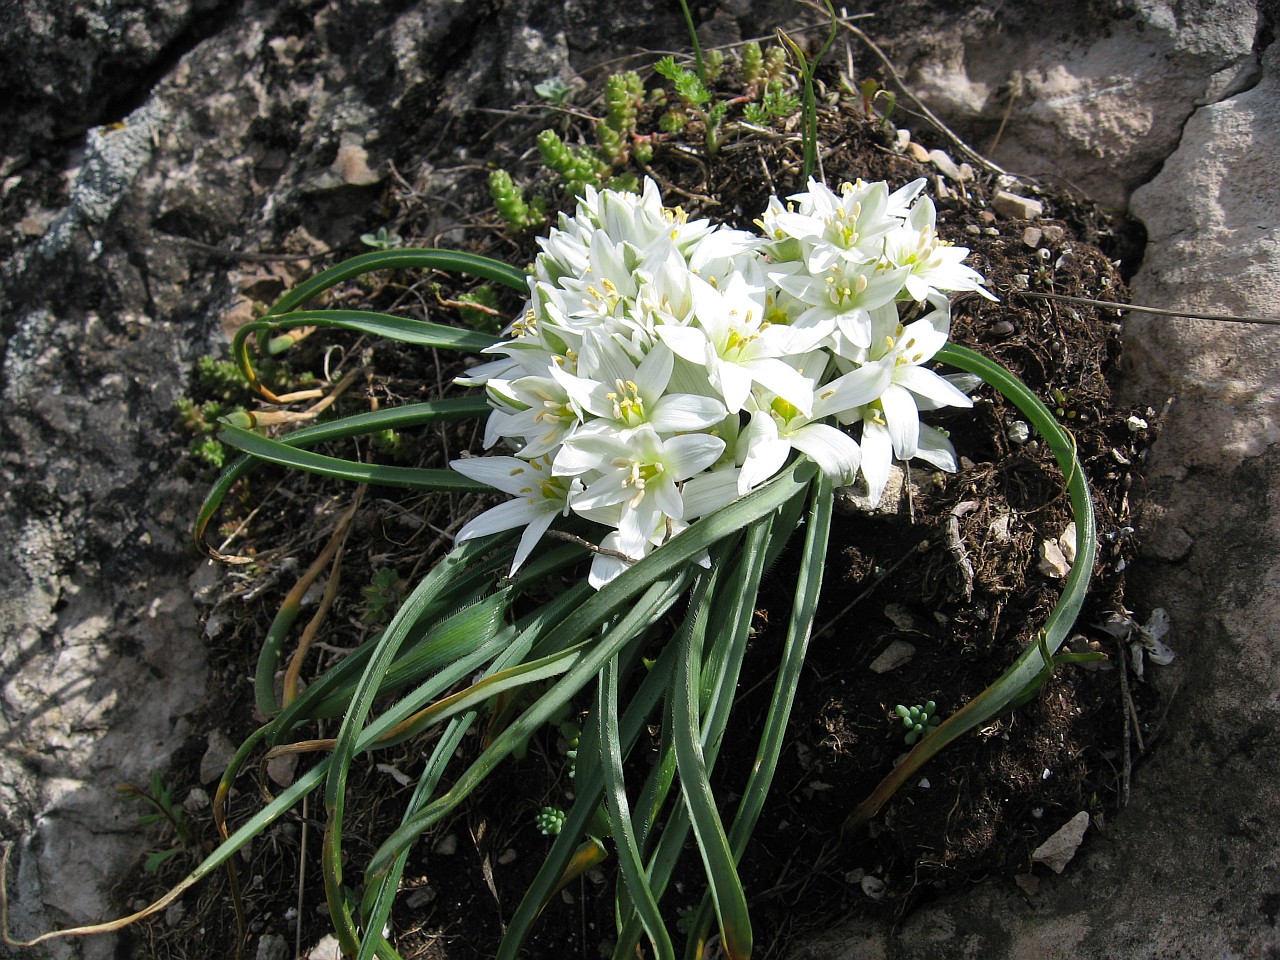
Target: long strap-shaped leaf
<point>414,478</point>
<point>611,599</point>
<point>393,418</point>
<point>425,258</point>
<point>629,859</point>
<point>353,722</point>
<point>799,630</point>
<point>566,854</point>
<point>419,333</point>
<point>1029,666</point>
<point>731,608</point>
<point>722,875</point>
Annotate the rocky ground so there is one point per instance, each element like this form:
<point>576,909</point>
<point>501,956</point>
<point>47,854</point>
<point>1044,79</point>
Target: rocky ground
<point>143,147</point>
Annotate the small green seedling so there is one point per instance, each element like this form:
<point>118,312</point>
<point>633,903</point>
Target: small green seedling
<point>159,796</point>
<point>919,720</point>
<point>518,214</point>
<point>695,99</point>
<point>382,240</point>
<point>382,597</point>
<point>776,103</point>
<point>554,91</point>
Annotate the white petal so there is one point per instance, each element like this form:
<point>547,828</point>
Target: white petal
<point>709,491</point>
<point>854,389</point>
<point>834,451</point>
<point>784,380</point>
<point>505,516</point>
<point>688,343</point>
<point>734,383</point>
<point>529,539</point>
<point>928,384</point>
<point>508,474</point>
<point>935,448</point>
<point>690,454</point>
<point>877,457</point>
<point>683,412</point>
<point>903,421</point>
<point>766,453</point>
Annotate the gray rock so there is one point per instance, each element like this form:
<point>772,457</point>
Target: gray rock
<point>1015,206</point>
<point>1096,94</point>
<point>239,129</point>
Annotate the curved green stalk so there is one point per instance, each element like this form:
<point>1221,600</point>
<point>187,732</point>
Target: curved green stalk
<point>730,630</point>
<point>722,875</point>
<point>394,418</point>
<point>414,478</point>
<point>400,259</point>
<point>1027,670</point>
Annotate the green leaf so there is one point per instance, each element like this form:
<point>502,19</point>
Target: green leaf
<point>414,478</point>
<point>1026,671</point>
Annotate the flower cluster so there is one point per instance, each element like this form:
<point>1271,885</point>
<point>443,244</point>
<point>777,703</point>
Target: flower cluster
<point>664,366</point>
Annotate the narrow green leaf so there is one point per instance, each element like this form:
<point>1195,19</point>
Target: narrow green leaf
<point>401,259</point>
<point>1025,671</point>
<point>799,630</point>
<point>395,418</point>
<point>629,859</point>
<point>722,874</point>
<point>414,478</point>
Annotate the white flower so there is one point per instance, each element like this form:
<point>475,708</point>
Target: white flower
<point>737,346</point>
<point>638,469</point>
<point>893,374</point>
<point>933,264</point>
<point>832,229</point>
<point>628,395</point>
<point>662,367</point>
<point>540,498</point>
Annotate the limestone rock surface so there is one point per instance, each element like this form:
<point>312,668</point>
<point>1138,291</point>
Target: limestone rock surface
<point>148,144</point>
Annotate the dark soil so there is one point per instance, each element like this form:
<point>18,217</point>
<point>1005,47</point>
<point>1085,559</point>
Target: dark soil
<point>968,605</point>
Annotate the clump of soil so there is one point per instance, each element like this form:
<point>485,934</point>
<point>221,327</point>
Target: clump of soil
<point>953,571</point>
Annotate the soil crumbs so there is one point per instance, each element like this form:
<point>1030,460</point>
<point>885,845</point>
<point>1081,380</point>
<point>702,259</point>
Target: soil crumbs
<point>950,572</point>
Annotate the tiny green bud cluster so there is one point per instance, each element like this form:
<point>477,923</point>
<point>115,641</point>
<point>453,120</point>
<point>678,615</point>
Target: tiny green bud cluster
<point>509,199</point>
<point>549,821</point>
<point>919,720</point>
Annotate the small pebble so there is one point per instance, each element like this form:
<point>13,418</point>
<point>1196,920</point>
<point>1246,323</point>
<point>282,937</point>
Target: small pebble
<point>942,160</point>
<point>1018,432</point>
<point>895,655</point>
<point>973,228</point>
<point>1056,852</point>
<point>917,152</point>
<point>1053,234</point>
<point>1031,236</point>
<point>196,801</point>
<point>991,231</point>
<point>1015,207</point>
